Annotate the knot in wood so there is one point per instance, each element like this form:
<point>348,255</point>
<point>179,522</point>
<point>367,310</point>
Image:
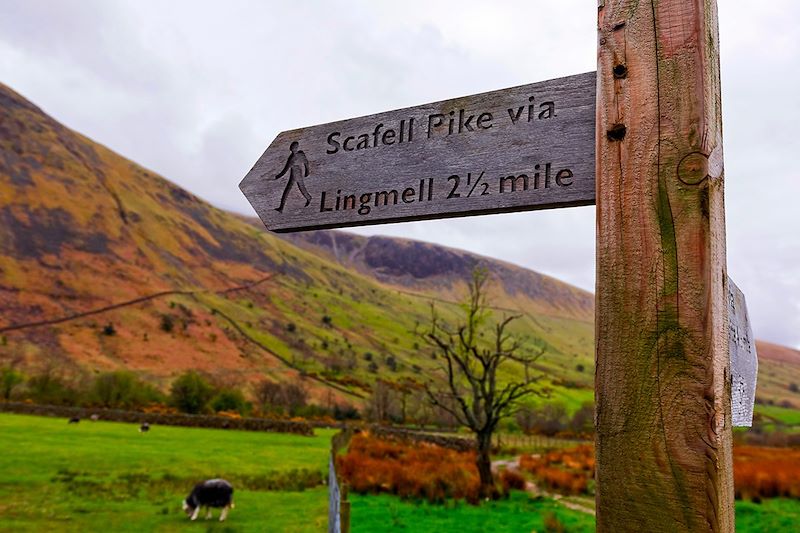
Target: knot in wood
<point>693,168</point>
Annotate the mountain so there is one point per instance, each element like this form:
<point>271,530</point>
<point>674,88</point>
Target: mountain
<point>106,265</point>
<point>778,375</point>
<point>438,271</point>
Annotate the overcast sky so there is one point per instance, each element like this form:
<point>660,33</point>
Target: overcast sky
<point>196,90</point>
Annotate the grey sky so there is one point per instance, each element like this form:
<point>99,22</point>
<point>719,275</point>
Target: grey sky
<point>196,91</point>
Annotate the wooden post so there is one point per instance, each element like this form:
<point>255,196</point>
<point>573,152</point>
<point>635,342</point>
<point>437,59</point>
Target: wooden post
<point>344,510</point>
<point>663,390</point>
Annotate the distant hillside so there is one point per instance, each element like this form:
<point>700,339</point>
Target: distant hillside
<point>440,271</point>
<point>89,239</point>
<point>778,374</point>
<point>777,353</point>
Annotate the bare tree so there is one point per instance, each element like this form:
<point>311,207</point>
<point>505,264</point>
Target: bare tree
<point>470,356</point>
<point>381,402</point>
<point>281,397</point>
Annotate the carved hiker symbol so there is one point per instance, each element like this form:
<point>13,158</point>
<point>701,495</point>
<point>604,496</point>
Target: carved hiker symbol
<point>297,166</point>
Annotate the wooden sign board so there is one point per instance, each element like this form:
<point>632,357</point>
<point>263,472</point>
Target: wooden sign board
<point>524,148</point>
<point>744,359</point>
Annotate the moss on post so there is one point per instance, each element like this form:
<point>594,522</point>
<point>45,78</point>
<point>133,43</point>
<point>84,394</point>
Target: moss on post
<point>663,393</point>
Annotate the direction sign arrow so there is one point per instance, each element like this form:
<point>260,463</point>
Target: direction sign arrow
<point>744,359</point>
<point>524,148</point>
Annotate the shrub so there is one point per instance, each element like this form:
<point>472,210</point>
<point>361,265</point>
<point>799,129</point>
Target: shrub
<point>759,472</point>
<point>167,323</point>
<point>511,480</point>
<point>327,320</point>
<point>583,420</point>
<point>345,412</point>
<point>9,380</point>
<point>289,398</point>
<point>48,388</point>
<point>766,472</point>
<point>564,471</point>
<point>550,418</point>
<point>191,393</point>
<point>122,389</point>
<point>420,470</point>
<point>109,330</point>
<point>230,400</point>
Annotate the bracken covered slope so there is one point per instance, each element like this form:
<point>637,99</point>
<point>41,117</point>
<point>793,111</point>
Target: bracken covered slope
<point>90,239</point>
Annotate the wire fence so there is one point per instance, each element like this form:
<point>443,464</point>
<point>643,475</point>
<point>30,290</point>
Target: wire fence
<point>338,505</point>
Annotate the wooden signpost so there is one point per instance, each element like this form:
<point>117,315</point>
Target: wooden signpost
<point>528,147</point>
<point>654,141</point>
<point>662,385</point>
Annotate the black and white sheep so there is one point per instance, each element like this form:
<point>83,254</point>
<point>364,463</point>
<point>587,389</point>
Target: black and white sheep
<point>209,493</point>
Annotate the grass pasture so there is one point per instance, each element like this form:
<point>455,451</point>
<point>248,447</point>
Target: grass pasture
<point>383,513</point>
<point>106,476</point>
<point>788,420</point>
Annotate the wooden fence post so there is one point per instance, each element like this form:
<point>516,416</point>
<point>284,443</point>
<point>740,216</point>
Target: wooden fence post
<point>344,509</point>
<point>663,389</point>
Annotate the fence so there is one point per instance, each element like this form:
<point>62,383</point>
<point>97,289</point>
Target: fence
<point>166,419</point>
<point>533,442</point>
<point>338,506</point>
<point>466,441</point>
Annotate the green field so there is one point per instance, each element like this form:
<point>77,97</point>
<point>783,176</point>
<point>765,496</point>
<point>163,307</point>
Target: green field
<point>782,415</point>
<point>106,476</point>
<point>374,514</point>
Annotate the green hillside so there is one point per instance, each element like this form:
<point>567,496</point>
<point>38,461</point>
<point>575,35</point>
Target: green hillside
<point>88,239</point>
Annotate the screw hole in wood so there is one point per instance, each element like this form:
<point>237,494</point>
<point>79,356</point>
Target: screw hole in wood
<point>616,132</point>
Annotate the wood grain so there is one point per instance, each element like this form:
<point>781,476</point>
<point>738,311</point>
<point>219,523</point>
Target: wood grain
<point>662,387</point>
<point>542,135</point>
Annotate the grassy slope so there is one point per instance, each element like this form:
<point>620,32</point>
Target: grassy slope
<point>778,374</point>
<point>82,227</point>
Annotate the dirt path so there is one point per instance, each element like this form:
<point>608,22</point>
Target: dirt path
<point>128,303</point>
<point>534,490</point>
